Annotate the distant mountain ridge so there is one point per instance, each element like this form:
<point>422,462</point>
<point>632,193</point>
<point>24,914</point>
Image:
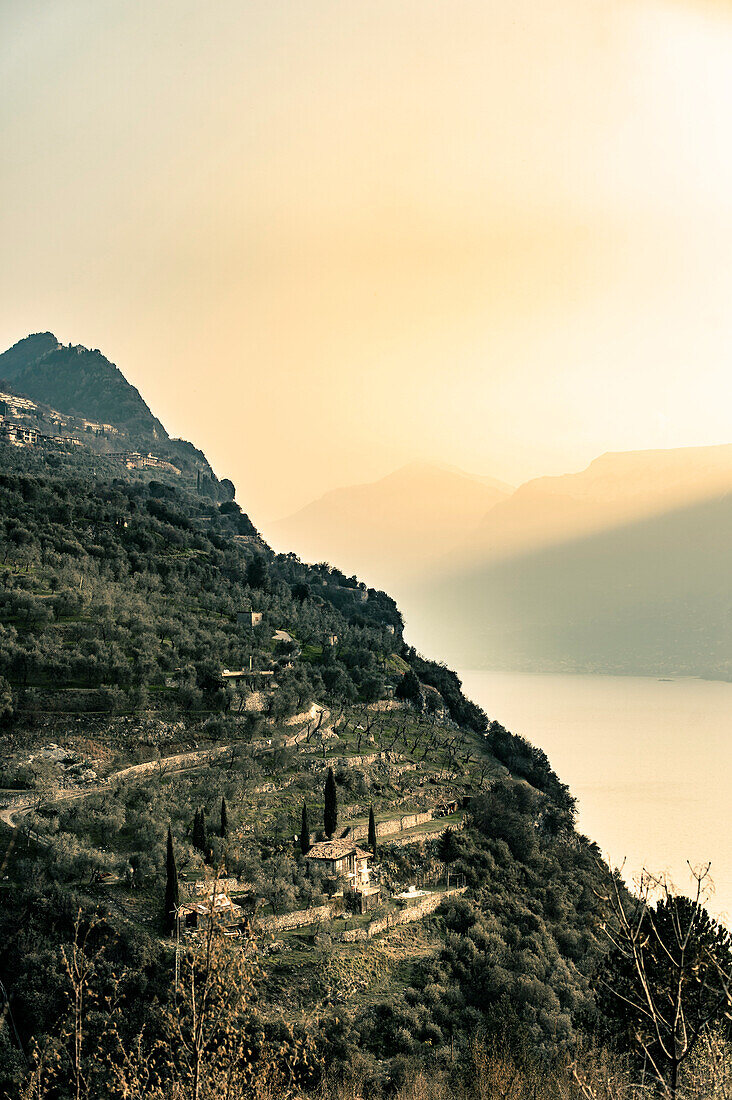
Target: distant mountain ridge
<point>388,530</point>
<point>621,567</point>
<point>616,488</point>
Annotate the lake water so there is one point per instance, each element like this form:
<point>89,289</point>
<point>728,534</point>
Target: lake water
<point>650,762</point>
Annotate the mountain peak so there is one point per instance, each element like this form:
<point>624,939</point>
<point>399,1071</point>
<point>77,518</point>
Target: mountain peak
<point>26,351</point>
<point>419,469</point>
<point>79,382</point>
<point>78,390</point>
<point>392,527</point>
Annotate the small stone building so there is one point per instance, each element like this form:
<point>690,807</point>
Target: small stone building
<point>344,859</point>
<point>249,618</point>
<point>210,901</point>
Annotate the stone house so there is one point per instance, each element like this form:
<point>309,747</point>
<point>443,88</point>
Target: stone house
<point>132,460</point>
<point>344,859</point>
<point>210,901</point>
<point>19,435</point>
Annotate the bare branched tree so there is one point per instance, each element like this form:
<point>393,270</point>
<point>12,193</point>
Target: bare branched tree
<point>79,963</point>
<point>664,978</point>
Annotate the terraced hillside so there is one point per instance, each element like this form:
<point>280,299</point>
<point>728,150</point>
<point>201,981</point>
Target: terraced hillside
<point>224,773</point>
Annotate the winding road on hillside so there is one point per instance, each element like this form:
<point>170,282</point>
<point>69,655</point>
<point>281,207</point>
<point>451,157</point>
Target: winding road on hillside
<point>183,761</point>
<point>166,765</point>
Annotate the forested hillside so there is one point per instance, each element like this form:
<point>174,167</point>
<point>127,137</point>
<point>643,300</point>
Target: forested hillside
<point>118,586</point>
<point>198,735</point>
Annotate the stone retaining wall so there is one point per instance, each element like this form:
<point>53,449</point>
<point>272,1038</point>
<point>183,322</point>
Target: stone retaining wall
<point>171,763</point>
<point>392,762</point>
<point>391,828</point>
<point>271,787</point>
<point>286,922</point>
<point>302,917</point>
<point>410,838</point>
<point>393,920</point>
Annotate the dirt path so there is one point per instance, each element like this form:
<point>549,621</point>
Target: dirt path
<point>188,761</point>
<point>167,765</point>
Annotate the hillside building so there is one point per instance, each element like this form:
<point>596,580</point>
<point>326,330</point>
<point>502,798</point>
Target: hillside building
<point>211,902</point>
<point>19,435</point>
<point>344,859</point>
<point>10,405</point>
<point>249,618</point>
<point>134,460</point>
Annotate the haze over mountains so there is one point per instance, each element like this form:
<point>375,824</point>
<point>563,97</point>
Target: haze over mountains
<point>622,567</point>
<point>614,489</point>
<point>647,597</point>
<point>394,528</point>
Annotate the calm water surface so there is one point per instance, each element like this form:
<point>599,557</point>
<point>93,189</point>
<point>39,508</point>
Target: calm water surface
<point>649,760</point>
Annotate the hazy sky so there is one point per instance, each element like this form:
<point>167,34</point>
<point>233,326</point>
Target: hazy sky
<point>325,238</point>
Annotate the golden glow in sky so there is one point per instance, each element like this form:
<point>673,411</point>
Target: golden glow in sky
<point>324,239</point>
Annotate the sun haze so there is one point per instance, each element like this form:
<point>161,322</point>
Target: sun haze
<point>325,240</point>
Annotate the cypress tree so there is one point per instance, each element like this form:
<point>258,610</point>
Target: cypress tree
<point>224,818</point>
<point>204,838</point>
<point>305,831</point>
<point>198,839</point>
<point>172,899</point>
<point>330,815</point>
<point>372,831</point>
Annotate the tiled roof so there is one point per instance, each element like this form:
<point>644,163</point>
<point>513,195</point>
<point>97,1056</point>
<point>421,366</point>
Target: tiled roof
<point>193,907</point>
<point>204,908</point>
<point>331,849</point>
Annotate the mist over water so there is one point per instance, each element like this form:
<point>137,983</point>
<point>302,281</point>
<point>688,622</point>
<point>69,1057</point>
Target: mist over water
<point>649,761</point>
